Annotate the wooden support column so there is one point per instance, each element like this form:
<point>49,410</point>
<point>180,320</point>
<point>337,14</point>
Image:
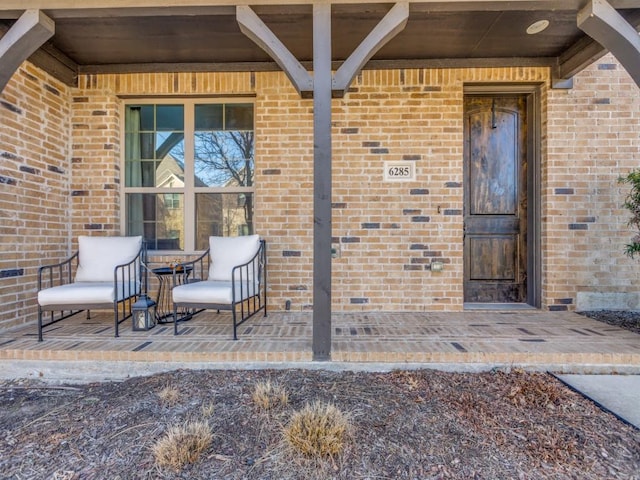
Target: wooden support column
<point>604,24</point>
<point>322,86</point>
<point>28,34</point>
<point>322,181</point>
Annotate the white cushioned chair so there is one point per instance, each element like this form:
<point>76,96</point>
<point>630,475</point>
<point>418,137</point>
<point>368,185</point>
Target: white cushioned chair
<point>108,271</point>
<point>230,275</point>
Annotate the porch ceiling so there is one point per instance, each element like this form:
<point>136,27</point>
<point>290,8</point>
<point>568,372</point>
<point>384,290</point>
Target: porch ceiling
<point>144,36</point>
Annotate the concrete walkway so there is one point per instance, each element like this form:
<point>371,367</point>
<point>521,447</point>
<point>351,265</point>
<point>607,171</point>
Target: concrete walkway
<point>618,394</point>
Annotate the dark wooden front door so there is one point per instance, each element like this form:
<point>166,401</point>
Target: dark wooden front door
<point>495,206</point>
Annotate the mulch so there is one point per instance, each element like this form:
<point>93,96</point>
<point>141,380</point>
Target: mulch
<point>627,319</point>
<point>419,424</point>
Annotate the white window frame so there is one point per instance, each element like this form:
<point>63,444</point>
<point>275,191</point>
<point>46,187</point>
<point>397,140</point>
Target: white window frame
<point>190,190</point>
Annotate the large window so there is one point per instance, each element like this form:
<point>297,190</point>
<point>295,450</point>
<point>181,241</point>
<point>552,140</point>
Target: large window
<point>188,172</point>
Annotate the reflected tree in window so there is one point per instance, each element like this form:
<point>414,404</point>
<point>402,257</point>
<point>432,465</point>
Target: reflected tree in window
<point>225,159</point>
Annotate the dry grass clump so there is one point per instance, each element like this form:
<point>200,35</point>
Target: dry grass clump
<point>207,409</point>
<point>169,395</point>
<point>182,444</point>
<point>269,396</point>
<point>318,430</point>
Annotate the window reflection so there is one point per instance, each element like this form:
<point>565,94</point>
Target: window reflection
<point>238,117</point>
<point>154,146</point>
<point>224,144</point>
<point>222,214</point>
<point>209,117</point>
<point>223,158</point>
<point>169,117</point>
<point>158,217</point>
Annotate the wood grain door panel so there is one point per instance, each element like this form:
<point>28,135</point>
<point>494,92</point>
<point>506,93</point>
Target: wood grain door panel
<point>495,208</point>
<point>493,163</point>
<point>494,257</point>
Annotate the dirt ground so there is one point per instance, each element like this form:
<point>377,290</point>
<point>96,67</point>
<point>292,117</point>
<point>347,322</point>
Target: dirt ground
<point>404,425</point>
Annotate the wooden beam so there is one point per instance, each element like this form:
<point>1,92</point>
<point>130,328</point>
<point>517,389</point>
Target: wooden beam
<point>56,64</point>
<point>256,30</point>
<point>604,24</point>
<point>322,80</point>
<point>480,62</point>
<point>576,58</point>
<point>119,68</point>
<point>431,63</point>
<point>582,54</point>
<point>71,8</point>
<point>52,61</point>
<point>392,24</point>
<point>24,37</point>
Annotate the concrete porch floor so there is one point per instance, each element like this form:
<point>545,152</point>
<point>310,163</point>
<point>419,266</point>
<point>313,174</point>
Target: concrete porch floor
<point>561,342</point>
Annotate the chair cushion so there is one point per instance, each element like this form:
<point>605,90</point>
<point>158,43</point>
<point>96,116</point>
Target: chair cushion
<point>212,292</point>
<point>85,293</point>
<point>229,252</point>
<point>99,256</point>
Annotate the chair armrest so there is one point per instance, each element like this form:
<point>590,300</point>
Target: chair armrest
<point>57,274</point>
<point>191,271</point>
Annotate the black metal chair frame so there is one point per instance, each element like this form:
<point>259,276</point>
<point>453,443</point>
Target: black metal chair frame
<point>246,274</point>
<point>63,273</point>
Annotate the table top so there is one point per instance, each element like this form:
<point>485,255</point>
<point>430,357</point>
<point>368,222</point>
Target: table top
<point>169,270</point>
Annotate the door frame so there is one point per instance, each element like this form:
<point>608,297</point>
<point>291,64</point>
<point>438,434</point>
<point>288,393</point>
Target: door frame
<point>532,93</point>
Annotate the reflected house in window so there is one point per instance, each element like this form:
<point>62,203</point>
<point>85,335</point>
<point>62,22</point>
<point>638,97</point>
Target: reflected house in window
<point>223,214</point>
<point>170,174</point>
<point>237,210</point>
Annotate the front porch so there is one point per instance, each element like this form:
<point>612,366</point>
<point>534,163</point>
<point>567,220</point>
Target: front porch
<point>467,341</point>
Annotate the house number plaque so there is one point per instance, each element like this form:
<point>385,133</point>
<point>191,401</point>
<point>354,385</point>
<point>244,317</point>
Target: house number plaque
<point>399,171</point>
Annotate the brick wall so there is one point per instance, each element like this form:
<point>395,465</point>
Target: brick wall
<point>593,137</point>
<point>35,174</point>
<point>390,232</point>
<point>386,233</point>
<point>96,178</point>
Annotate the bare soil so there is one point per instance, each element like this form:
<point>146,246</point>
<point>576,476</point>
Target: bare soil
<point>419,424</point>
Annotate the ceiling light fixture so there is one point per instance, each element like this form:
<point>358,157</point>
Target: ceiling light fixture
<point>537,27</point>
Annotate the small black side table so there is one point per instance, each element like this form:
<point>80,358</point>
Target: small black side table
<point>164,309</point>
